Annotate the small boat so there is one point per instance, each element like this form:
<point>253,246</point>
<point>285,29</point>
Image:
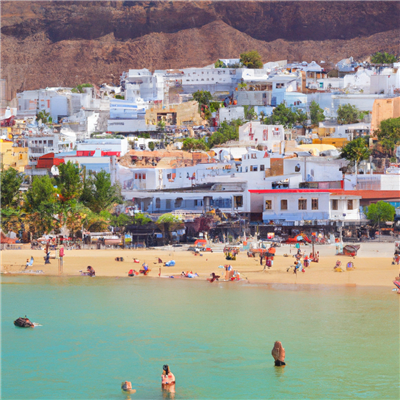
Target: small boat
<point>23,322</point>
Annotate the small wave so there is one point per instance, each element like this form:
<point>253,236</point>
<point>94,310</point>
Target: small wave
<point>36,324</point>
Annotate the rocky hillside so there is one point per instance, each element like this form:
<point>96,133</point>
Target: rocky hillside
<point>66,43</point>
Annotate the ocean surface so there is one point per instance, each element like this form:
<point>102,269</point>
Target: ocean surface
<point>217,338</point>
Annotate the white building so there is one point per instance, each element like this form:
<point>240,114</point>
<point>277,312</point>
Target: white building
<point>227,114</point>
<point>291,207</point>
<point>118,147</point>
<point>269,136</point>
<point>151,86</point>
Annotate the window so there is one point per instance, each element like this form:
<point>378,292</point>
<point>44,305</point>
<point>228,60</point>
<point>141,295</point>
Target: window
<point>335,205</point>
<point>302,204</point>
<point>283,204</point>
<point>144,176</point>
<point>262,167</point>
<point>268,204</point>
<point>247,169</point>
<point>158,202</point>
<point>178,202</point>
<point>238,201</point>
<point>314,204</point>
<point>350,204</point>
<point>195,202</point>
<point>168,204</point>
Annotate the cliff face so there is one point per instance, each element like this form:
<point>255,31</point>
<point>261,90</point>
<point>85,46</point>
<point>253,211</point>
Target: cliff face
<point>65,43</point>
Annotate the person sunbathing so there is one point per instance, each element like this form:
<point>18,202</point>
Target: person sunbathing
<point>91,271</point>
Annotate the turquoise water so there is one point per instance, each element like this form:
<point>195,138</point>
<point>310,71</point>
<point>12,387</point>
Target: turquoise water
<point>217,339</point>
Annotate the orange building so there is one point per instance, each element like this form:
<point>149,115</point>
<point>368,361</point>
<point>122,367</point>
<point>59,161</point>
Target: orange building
<point>384,109</point>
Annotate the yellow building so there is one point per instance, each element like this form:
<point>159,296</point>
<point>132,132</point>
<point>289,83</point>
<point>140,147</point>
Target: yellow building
<point>176,114</point>
<point>10,156</point>
<point>384,109</point>
<point>334,141</point>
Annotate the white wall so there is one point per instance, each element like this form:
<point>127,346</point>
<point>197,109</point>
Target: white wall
<point>293,213</point>
<point>129,125</point>
<point>315,169</point>
<point>390,182</point>
<point>267,135</point>
<point>343,213</point>
<point>230,113</point>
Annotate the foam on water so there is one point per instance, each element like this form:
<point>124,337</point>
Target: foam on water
<point>340,342</point>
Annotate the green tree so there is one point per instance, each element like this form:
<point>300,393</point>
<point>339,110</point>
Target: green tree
<point>141,219</point>
<point>68,182</point>
<point>282,115</point>
<point>168,223</point>
<point>161,126</point>
<point>98,192</point>
<point>348,114</point>
<point>316,113</point>
<point>251,59</point>
<point>44,116</point>
<point>42,205</point>
<point>219,64</point>
<point>380,212</point>
<point>151,146</point>
<point>225,133</point>
<point>301,118</point>
<point>11,181</point>
<point>389,134</point>
<point>79,88</point>
<point>249,113</point>
<point>356,151</point>
<point>203,97</point>
<point>190,144</point>
<point>121,221</point>
<point>11,219</point>
<point>120,97</point>
<point>383,58</point>
<point>242,85</point>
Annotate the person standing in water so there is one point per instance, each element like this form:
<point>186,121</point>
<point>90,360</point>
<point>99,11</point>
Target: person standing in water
<point>127,387</point>
<point>278,352</point>
<point>167,380</point>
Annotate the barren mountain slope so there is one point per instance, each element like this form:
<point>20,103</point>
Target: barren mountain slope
<point>67,43</point>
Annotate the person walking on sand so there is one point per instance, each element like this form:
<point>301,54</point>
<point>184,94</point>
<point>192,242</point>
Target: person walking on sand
<point>167,379</point>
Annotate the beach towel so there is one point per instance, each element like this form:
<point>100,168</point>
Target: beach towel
<point>170,263</point>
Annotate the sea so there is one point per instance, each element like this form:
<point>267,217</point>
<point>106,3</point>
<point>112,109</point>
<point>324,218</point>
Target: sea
<point>340,342</point>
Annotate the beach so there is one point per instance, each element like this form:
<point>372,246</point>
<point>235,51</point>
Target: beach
<point>372,268</point>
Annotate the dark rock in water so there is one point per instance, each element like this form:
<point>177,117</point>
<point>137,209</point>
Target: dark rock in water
<point>23,323</point>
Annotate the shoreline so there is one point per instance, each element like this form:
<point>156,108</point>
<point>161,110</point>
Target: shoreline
<point>373,272</point>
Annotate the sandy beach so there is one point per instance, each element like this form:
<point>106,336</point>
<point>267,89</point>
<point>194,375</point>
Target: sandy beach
<point>370,271</point>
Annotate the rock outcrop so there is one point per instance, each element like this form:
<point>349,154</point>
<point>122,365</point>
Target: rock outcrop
<point>67,43</point>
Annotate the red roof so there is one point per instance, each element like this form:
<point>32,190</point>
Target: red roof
<point>365,194</point>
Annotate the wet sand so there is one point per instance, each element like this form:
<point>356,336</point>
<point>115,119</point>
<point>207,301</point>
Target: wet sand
<point>370,271</point>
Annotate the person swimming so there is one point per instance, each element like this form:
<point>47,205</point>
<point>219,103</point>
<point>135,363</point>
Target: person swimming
<point>278,352</point>
<point>127,387</point>
<point>167,379</point>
